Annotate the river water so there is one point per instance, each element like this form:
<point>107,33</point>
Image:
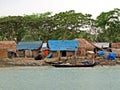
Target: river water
<point>51,78</point>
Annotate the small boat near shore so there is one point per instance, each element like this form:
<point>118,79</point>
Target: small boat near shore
<point>89,61</point>
<point>81,64</point>
<point>57,62</point>
<point>72,65</point>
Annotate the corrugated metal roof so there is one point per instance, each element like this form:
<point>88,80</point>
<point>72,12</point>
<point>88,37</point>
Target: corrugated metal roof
<point>29,45</point>
<point>101,44</point>
<point>63,45</point>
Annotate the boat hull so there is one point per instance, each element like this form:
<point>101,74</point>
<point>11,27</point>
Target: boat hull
<point>67,65</point>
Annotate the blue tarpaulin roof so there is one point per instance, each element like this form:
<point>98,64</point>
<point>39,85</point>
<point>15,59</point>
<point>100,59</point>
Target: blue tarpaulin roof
<point>63,45</point>
<point>29,45</point>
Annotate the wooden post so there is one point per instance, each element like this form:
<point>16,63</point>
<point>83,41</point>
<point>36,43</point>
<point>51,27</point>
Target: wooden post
<point>75,53</point>
<point>59,55</point>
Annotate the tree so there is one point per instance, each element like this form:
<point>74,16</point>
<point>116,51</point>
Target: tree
<point>110,25</point>
<point>67,24</point>
<point>12,28</point>
<point>36,25</point>
<point>64,25</point>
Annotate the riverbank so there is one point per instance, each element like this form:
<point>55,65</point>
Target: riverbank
<point>21,62</point>
<point>31,62</point>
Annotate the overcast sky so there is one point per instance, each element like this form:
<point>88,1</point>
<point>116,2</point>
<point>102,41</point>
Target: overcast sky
<point>23,7</point>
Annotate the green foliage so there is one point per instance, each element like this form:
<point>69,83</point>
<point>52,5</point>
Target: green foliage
<point>64,25</point>
<point>12,28</point>
<point>110,24</point>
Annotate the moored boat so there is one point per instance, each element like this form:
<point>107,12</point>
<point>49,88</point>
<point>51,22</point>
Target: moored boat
<point>81,64</point>
<point>73,65</point>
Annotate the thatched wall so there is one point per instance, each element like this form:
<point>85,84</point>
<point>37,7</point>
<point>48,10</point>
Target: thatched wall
<point>27,53</point>
<point>117,51</point>
<point>57,53</point>
<point>115,45</point>
<point>3,53</point>
<point>8,45</point>
<point>21,53</point>
<point>5,47</point>
<point>84,46</point>
<point>35,53</point>
<point>54,54</point>
<point>116,48</point>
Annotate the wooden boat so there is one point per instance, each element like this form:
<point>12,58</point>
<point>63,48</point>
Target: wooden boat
<point>57,62</point>
<point>74,65</point>
<point>84,63</point>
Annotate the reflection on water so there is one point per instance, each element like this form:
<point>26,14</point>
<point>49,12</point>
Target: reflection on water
<point>50,78</point>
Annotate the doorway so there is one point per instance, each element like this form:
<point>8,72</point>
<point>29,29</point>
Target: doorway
<point>63,53</point>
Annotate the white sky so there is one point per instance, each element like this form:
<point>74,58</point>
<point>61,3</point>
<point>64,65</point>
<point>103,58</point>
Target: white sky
<point>21,7</point>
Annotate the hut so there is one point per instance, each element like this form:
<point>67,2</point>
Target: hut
<point>62,48</point>
<point>7,49</point>
<point>28,49</point>
<point>116,48</point>
<point>84,46</point>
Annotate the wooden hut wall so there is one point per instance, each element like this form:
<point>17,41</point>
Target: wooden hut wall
<point>8,45</point>
<point>3,53</point>
<point>117,52</point>
<point>81,52</point>
<point>28,53</point>
<point>116,48</point>
<point>70,53</point>
<point>84,46</point>
<point>21,53</point>
<point>35,53</point>
<point>54,53</point>
<point>115,45</point>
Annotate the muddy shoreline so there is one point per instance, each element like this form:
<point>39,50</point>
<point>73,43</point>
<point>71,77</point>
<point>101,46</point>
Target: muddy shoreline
<point>31,62</point>
<point>21,62</point>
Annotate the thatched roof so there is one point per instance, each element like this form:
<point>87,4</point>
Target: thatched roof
<point>115,45</point>
<point>8,45</point>
<point>83,43</point>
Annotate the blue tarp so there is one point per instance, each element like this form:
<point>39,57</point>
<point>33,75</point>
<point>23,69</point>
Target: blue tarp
<point>49,55</point>
<point>63,45</point>
<point>29,45</point>
<point>111,56</point>
<point>101,53</point>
